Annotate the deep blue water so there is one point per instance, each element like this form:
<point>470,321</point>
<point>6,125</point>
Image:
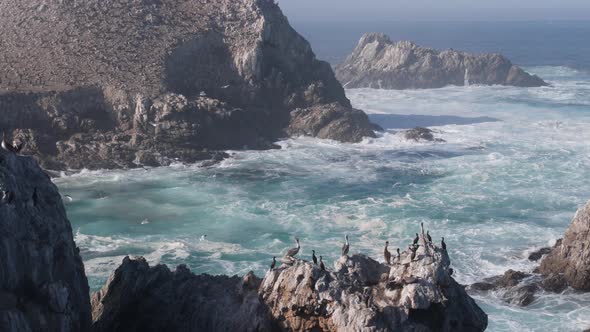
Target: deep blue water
<point>538,43</point>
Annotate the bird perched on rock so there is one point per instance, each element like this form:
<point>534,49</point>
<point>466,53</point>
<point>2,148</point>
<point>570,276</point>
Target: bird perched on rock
<point>322,266</point>
<point>315,259</point>
<point>346,246</point>
<point>416,239</point>
<point>428,236</point>
<point>293,251</point>
<point>274,263</point>
<point>443,244</point>
<point>387,254</point>
<point>399,256</point>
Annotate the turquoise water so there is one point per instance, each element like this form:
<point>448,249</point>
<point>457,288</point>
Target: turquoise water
<point>496,190</point>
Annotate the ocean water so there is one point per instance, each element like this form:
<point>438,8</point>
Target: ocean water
<point>513,169</point>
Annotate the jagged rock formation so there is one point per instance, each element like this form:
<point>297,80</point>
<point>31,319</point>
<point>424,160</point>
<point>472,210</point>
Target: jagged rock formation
<point>377,62</point>
<point>565,265</point>
<point>570,259</point>
<point>96,84</point>
<point>360,294</point>
<point>42,282</point>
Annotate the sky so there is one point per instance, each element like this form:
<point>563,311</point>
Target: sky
<point>359,10</point>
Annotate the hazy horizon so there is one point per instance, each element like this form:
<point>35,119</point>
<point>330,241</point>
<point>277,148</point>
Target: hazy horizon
<point>459,10</point>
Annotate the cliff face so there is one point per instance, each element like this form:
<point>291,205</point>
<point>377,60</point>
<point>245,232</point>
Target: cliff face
<point>91,76</point>
<point>377,62</point>
<point>359,294</point>
<point>42,282</point>
<point>570,259</point>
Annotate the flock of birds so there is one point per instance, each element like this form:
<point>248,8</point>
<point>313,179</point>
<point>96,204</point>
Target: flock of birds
<point>290,254</point>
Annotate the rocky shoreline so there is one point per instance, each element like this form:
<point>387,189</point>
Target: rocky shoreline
<point>149,83</point>
<point>44,287</point>
<point>379,63</point>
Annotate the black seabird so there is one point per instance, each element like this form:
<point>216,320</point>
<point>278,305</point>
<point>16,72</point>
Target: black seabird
<point>315,259</point>
<point>387,254</point>
<point>346,246</point>
<point>451,271</point>
<point>399,256</point>
<point>416,239</point>
<point>428,236</point>
<point>293,251</point>
<point>274,262</point>
<point>322,266</point>
<point>443,244</point>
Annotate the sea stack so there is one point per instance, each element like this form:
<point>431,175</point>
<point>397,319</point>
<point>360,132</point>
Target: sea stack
<point>378,62</point>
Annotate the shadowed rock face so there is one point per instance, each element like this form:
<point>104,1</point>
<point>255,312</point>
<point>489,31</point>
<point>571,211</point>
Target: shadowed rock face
<point>377,62</point>
<point>42,282</point>
<point>85,83</point>
<point>571,258</point>
<point>359,294</point>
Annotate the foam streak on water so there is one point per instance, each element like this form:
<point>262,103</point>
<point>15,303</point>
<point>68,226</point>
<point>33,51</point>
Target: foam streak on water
<point>495,190</point>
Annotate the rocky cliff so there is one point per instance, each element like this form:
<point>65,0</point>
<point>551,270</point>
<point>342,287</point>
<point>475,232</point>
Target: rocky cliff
<point>379,63</point>
<point>129,82</point>
<point>359,294</point>
<point>567,264</point>
<point>42,282</point>
<point>570,259</point>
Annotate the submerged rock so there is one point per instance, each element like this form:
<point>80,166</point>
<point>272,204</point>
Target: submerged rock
<point>153,82</point>
<point>377,62</point>
<point>421,134</point>
<point>571,257</point>
<point>359,294</point>
<point>42,282</point>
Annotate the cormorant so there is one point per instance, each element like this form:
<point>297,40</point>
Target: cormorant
<point>293,251</point>
<point>416,239</point>
<point>315,259</point>
<point>322,266</point>
<point>428,236</point>
<point>346,246</point>
<point>274,262</point>
<point>387,254</point>
<point>451,271</point>
<point>443,244</point>
<point>399,256</point>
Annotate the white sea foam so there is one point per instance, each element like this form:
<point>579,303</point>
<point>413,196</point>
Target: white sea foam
<point>495,190</point>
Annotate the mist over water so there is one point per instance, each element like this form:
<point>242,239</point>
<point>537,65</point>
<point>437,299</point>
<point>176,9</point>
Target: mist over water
<point>511,174</point>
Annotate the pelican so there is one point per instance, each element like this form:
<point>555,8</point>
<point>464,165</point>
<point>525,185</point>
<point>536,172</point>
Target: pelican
<point>293,251</point>
<point>315,259</point>
<point>274,262</point>
<point>428,236</point>
<point>346,246</point>
<point>443,244</point>
<point>387,254</point>
<point>322,266</point>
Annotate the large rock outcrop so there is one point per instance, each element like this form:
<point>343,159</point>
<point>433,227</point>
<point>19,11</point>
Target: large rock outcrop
<point>570,259</point>
<point>42,282</point>
<point>101,84</point>
<point>359,294</point>
<point>377,62</point>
